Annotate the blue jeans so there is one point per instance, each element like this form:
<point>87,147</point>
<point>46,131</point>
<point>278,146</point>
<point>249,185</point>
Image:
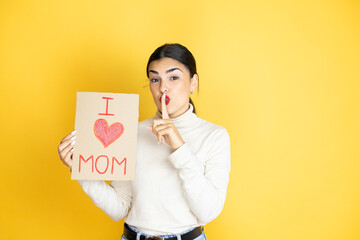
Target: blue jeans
<point>201,237</point>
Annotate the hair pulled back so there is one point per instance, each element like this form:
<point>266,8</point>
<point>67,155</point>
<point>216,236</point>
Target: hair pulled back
<point>178,52</point>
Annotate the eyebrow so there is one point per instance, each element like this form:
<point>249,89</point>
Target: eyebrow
<point>167,71</point>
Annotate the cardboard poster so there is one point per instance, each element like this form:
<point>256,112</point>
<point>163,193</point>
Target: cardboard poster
<point>106,136</point>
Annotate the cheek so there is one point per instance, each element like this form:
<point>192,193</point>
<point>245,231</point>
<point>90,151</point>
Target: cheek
<point>181,95</point>
<point>155,93</point>
<point>153,90</point>
<point>184,90</point>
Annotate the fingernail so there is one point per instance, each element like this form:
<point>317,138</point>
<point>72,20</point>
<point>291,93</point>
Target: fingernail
<point>73,138</point>
<point>73,132</point>
<point>73,143</point>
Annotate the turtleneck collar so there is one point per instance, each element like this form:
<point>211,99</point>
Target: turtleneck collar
<point>186,119</point>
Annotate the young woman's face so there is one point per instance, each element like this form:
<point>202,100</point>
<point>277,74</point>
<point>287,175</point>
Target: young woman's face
<point>170,76</point>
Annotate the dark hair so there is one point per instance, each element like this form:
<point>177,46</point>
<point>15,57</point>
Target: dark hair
<point>178,52</point>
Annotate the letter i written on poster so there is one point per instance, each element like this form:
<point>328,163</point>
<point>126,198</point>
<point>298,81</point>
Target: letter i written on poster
<point>106,136</point>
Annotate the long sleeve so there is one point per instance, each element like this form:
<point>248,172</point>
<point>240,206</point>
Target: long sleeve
<point>172,190</point>
<point>205,187</point>
<point>115,199</point>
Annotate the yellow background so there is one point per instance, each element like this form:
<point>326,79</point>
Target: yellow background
<point>281,76</point>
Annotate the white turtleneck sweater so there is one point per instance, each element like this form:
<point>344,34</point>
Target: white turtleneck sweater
<point>173,190</point>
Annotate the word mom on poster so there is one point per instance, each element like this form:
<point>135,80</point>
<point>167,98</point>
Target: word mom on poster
<point>106,135</point>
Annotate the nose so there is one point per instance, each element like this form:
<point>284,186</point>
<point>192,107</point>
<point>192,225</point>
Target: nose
<point>164,87</point>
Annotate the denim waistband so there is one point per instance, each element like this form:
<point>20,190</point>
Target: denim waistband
<point>165,236</point>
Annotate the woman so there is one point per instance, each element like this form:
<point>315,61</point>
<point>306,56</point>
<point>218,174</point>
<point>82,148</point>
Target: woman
<point>183,162</point>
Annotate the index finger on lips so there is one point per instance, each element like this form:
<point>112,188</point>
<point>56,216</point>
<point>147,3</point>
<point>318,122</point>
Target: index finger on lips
<point>164,111</point>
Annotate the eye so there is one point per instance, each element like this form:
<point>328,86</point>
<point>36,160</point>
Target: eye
<point>174,78</point>
<point>154,80</point>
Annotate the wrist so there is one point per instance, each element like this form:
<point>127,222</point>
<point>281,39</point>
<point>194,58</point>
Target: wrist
<point>179,146</point>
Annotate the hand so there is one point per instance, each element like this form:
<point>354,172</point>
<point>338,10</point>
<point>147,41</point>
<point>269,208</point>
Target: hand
<point>165,129</point>
<point>66,149</point>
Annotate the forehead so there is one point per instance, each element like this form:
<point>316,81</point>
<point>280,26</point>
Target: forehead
<point>164,64</point>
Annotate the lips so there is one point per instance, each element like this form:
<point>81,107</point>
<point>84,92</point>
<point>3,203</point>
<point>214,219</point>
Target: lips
<point>167,100</point>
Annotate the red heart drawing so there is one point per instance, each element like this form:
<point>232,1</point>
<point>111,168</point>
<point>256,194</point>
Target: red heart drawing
<point>106,134</point>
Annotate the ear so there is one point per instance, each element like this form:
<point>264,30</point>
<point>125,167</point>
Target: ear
<point>194,82</point>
